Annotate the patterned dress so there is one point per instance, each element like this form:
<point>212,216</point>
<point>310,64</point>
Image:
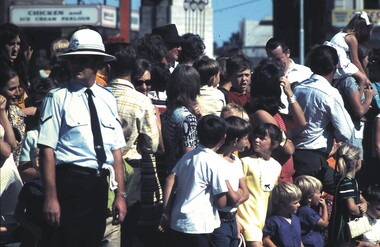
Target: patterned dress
<point>17,119</point>
<point>338,228</point>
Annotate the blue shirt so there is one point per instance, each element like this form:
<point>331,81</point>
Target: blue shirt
<point>66,124</point>
<point>311,234</point>
<point>283,233</point>
<point>323,108</point>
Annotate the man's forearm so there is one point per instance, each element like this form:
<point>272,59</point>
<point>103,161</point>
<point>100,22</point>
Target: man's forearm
<point>119,171</point>
<point>47,169</point>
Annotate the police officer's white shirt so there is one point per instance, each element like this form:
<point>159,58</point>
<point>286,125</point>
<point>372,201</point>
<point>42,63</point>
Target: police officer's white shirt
<point>66,124</point>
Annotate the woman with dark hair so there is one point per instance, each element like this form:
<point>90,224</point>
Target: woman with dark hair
<point>12,48</point>
<point>151,190</point>
<point>193,49</point>
<point>9,88</point>
<point>179,122</point>
<point>264,105</point>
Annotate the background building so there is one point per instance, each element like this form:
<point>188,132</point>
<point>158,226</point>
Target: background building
<point>195,16</point>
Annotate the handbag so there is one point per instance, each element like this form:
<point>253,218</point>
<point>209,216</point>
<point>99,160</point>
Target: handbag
<point>358,226</point>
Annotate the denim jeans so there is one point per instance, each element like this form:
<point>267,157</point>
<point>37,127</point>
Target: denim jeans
<point>226,235</point>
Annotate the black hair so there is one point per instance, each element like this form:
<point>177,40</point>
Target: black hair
<point>265,87</point>
<point>184,87</point>
<point>236,64</point>
<point>8,32</point>
<point>6,74</point>
<point>323,60</point>
<point>193,48</point>
<point>207,68</point>
<point>125,59</point>
<point>237,128</point>
<point>211,130</point>
<point>140,67</point>
<point>273,131</point>
<point>151,47</point>
<point>372,193</point>
<point>273,43</point>
<point>359,26</point>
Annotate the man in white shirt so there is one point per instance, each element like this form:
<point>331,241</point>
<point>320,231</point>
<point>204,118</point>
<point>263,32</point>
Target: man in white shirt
<point>278,49</point>
<point>326,118</point>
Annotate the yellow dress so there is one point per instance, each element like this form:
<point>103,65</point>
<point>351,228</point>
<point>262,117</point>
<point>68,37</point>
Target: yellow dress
<point>260,176</point>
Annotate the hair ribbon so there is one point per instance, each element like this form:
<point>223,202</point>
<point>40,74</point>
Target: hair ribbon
<point>363,15</point>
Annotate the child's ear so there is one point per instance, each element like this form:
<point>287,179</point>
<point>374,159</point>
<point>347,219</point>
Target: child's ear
<point>275,145</point>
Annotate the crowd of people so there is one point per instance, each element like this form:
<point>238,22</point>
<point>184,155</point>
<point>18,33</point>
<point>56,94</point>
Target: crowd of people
<point>156,144</point>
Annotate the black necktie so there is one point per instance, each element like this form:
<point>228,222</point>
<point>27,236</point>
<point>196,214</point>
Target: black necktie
<point>95,127</point>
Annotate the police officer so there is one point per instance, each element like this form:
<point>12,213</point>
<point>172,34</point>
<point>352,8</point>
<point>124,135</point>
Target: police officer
<point>80,142</point>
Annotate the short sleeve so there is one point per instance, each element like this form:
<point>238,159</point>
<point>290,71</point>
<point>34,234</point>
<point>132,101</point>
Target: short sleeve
<point>308,216</point>
<point>50,122</point>
<point>270,227</point>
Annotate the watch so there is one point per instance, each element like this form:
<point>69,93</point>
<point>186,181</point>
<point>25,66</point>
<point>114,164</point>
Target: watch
<point>123,194</point>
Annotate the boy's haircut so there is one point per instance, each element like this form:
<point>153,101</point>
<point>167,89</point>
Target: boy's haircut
<point>237,63</point>
<point>211,130</point>
<point>323,59</point>
<point>308,185</point>
<point>269,129</point>
<point>284,193</point>
<point>207,68</point>
<point>372,193</point>
<point>125,59</point>
<point>346,158</point>
<point>237,128</point>
<point>234,110</point>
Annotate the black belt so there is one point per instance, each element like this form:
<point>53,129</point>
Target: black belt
<point>226,216</point>
<point>69,167</point>
<point>134,163</point>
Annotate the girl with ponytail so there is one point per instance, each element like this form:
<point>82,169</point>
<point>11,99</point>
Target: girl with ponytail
<point>348,202</point>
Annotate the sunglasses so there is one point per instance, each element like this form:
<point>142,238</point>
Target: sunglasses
<point>141,82</point>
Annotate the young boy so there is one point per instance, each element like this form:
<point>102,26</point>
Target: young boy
<point>283,227</point>
<point>196,188</point>
<point>312,224</point>
<point>210,100</point>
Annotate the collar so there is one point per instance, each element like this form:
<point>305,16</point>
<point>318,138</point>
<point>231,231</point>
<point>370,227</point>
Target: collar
<point>316,77</point>
<point>122,82</point>
<point>78,88</point>
<point>292,67</point>
<point>237,92</point>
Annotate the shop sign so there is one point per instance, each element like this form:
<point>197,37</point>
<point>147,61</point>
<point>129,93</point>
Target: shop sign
<point>63,16</point>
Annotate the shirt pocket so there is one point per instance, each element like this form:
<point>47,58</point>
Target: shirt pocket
<point>79,128</point>
<point>108,130</point>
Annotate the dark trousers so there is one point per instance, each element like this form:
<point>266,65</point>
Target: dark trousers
<point>314,163</point>
<point>180,239</point>
<point>83,201</point>
<point>129,226</point>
